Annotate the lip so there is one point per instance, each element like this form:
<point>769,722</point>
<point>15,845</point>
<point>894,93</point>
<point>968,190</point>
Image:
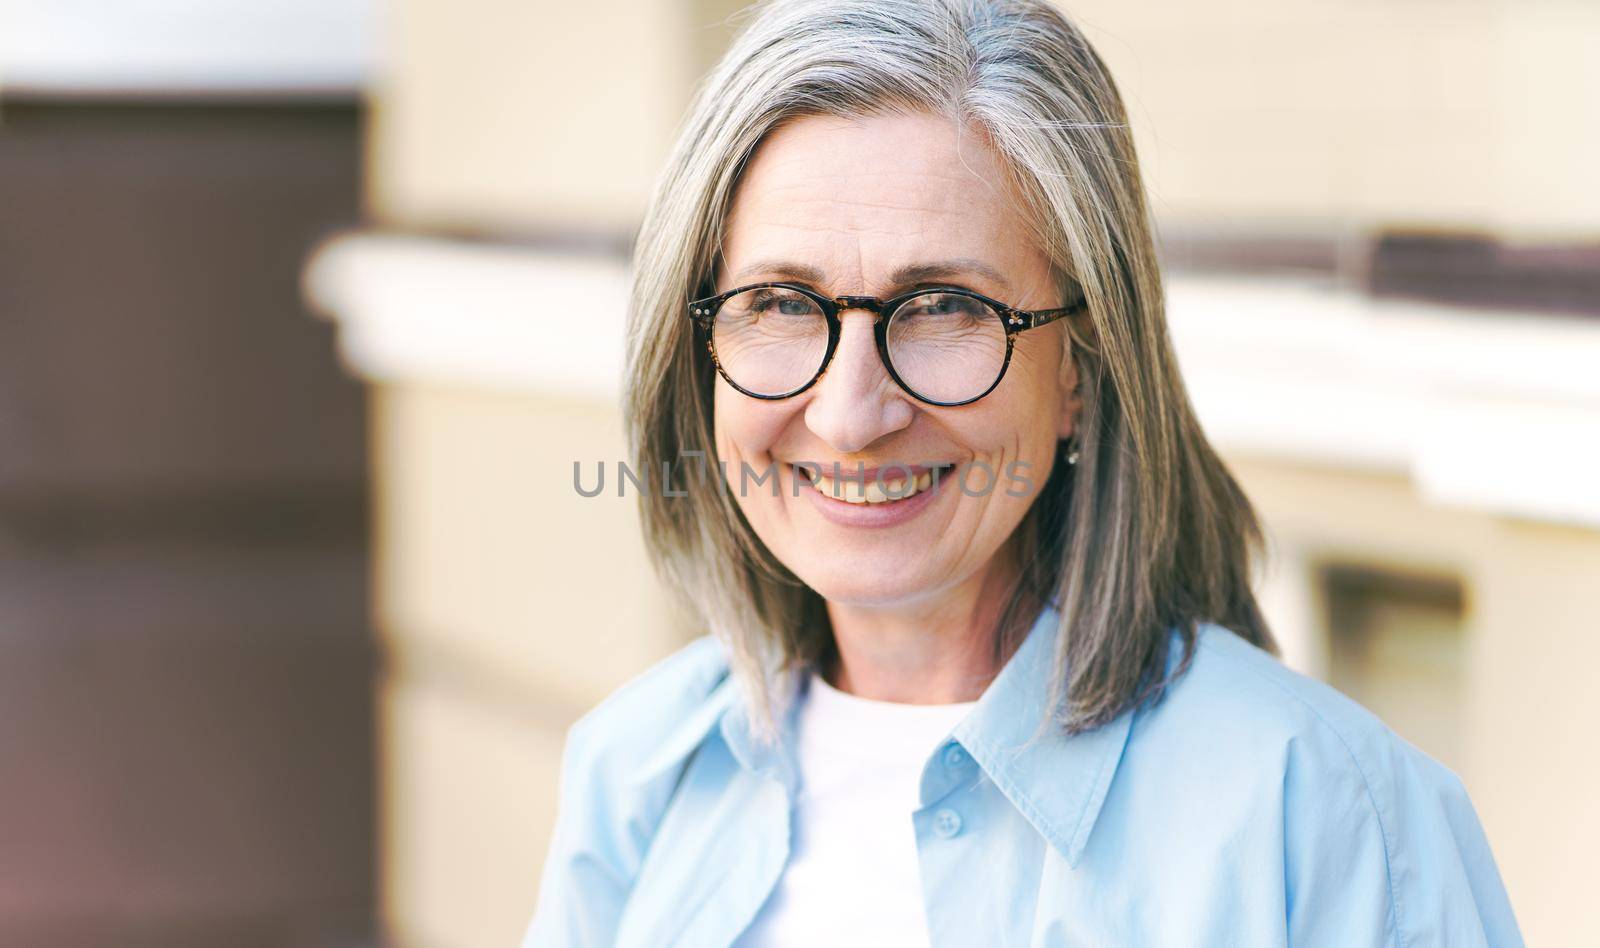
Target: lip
<point>867,475</point>
<point>877,516</point>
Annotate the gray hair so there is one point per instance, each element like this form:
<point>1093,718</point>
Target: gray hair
<point>1147,533</point>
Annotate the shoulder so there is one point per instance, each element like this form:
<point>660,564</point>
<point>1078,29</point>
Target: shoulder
<point>621,762</point>
<point>666,705</point>
<point>680,680</point>
<point>1360,812</point>
<point>1237,700</point>
<point>618,772</point>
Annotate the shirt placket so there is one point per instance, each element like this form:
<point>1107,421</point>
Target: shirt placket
<point>974,859</point>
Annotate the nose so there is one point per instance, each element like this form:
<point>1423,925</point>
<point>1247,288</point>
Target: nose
<point>856,402</point>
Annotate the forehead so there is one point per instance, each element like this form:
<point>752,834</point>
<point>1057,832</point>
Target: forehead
<point>862,197</point>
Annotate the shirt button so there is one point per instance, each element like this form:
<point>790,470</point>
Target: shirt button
<point>947,823</point>
<point>955,757</point>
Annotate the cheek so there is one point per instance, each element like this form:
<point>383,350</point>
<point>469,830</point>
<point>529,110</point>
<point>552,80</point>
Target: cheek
<point>746,431</point>
<point>746,428</point>
<point>1021,416</point>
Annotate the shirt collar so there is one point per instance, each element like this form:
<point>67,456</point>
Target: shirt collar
<point>727,712</point>
<point>768,759</point>
<point>1057,781</point>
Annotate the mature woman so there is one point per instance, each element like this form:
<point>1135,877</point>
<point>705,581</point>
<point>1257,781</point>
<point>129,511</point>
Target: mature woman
<point>984,666</point>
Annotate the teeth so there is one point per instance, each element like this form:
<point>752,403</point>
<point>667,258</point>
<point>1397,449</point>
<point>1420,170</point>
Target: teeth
<point>853,491</point>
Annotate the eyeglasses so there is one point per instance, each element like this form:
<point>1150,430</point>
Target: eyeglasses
<point>944,346</point>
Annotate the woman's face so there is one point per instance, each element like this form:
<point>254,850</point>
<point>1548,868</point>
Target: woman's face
<point>855,201</point>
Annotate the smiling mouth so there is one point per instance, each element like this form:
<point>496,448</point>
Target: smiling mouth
<point>893,487</point>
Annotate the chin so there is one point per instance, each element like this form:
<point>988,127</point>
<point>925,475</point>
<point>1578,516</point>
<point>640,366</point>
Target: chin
<point>869,579</point>
<point>860,591</point>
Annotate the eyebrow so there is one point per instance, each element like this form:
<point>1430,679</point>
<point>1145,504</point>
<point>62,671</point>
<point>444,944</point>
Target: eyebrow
<point>910,275</point>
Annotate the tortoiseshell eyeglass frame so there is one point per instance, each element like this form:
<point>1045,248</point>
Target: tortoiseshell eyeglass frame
<point>704,314</point>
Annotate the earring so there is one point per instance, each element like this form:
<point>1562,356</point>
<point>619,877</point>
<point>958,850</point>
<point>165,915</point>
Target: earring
<point>1072,450</point>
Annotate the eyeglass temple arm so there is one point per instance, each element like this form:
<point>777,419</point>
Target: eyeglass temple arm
<point>1037,318</point>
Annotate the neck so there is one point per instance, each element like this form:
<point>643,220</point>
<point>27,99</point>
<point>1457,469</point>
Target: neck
<point>935,650</point>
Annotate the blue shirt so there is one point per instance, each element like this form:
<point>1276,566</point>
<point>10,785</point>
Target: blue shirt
<point>1250,806</point>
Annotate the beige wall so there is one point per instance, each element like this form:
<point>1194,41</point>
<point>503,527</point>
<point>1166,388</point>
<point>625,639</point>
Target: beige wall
<point>504,114</point>
<point>544,116</point>
<point>508,605</point>
<point>1534,722</point>
<point>1344,112</point>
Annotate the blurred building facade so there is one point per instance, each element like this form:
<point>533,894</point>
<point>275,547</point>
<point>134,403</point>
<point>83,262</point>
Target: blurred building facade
<point>1379,223</point>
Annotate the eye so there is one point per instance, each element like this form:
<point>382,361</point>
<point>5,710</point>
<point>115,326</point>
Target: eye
<point>944,305</point>
<point>781,304</point>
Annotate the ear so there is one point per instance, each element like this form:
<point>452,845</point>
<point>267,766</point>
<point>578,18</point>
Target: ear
<point>1071,398</point>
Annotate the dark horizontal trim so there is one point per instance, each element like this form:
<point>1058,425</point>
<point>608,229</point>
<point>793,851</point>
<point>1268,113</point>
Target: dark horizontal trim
<point>313,515</point>
<point>1255,251</point>
<point>1474,270</point>
<point>1368,581</point>
<point>1460,269</point>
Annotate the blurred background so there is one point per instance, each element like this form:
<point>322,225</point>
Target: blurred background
<point>296,595</point>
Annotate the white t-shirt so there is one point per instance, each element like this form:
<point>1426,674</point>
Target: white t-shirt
<point>852,877</point>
